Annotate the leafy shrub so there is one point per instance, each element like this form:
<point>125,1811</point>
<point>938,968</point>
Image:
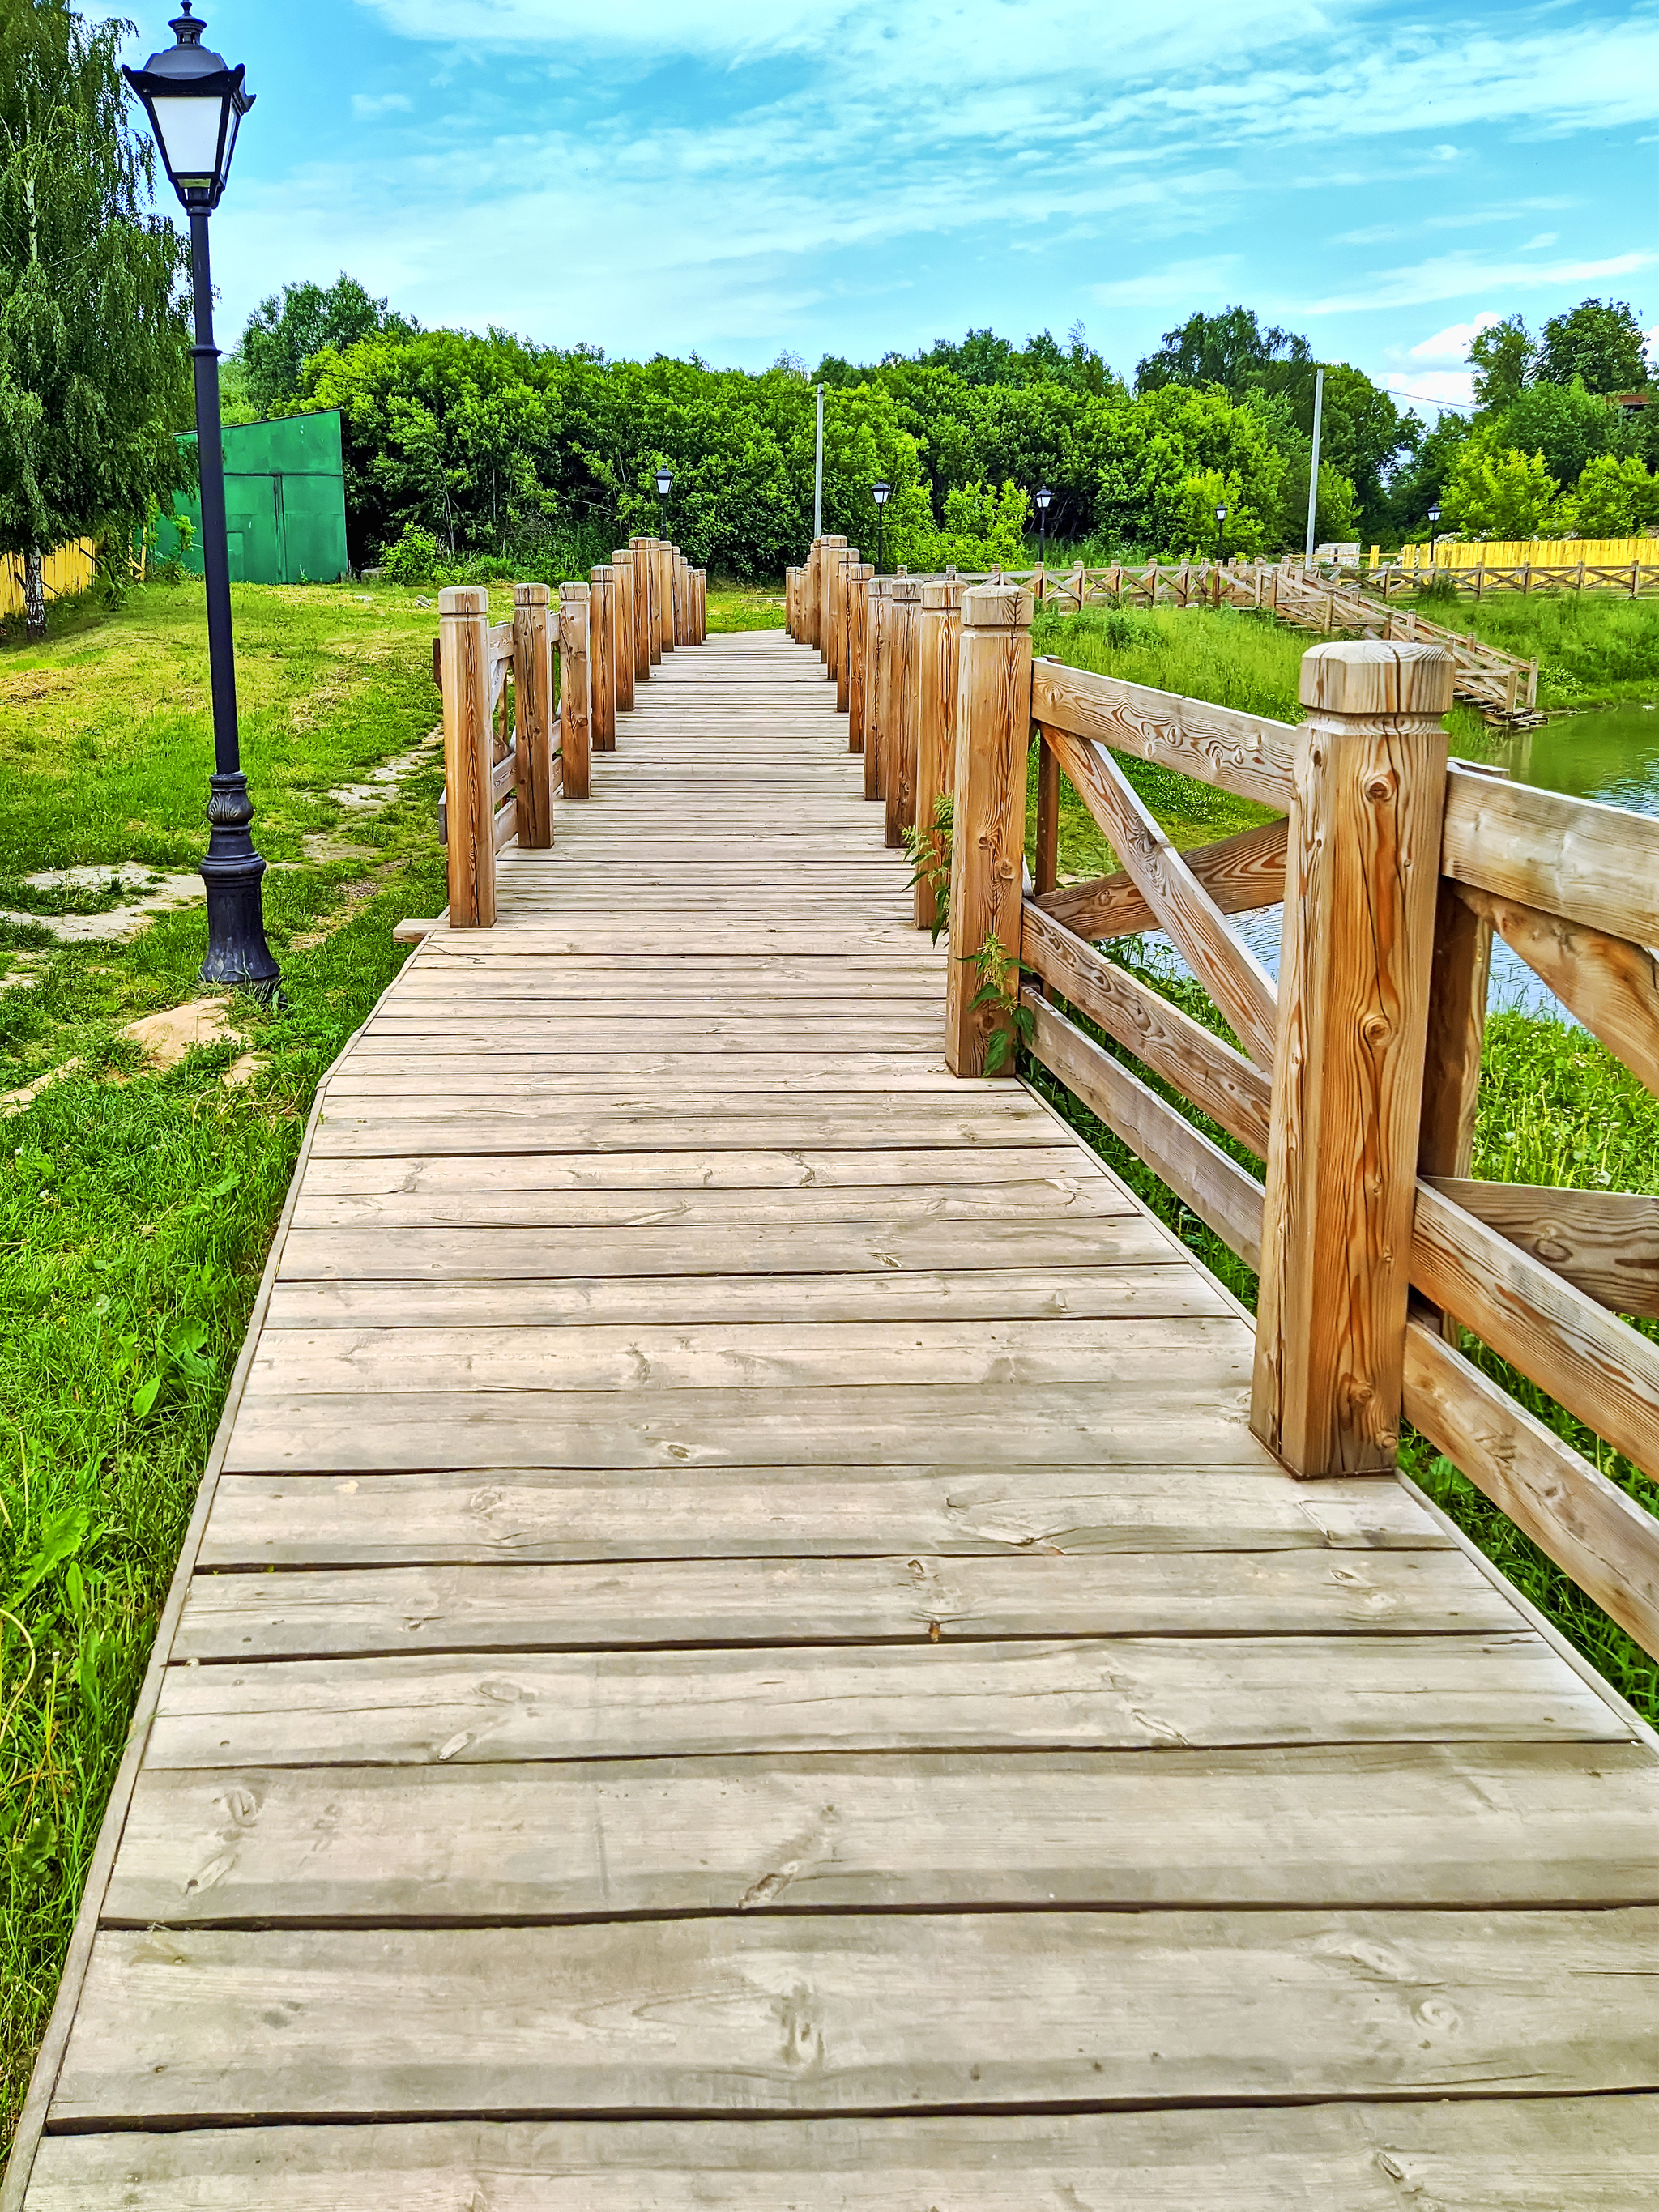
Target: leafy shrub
<point>414,559</point>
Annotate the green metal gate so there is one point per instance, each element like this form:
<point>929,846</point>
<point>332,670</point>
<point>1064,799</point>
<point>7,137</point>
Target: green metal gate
<point>284,503</point>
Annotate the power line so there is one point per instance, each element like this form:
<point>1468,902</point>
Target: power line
<point>1463,406</point>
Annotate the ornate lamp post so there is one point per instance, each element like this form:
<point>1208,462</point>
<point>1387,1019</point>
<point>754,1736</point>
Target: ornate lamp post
<point>881,491</point>
<point>664,485</point>
<point>1434,532</point>
<point>195,105</point>
<point>1043,500</point>
<point>1220,519</point>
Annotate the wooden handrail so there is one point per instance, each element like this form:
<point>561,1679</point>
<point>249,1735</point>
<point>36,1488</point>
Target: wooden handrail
<point>1396,866</point>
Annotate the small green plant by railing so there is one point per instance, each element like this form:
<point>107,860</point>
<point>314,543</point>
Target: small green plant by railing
<point>999,993</point>
<point>929,852</point>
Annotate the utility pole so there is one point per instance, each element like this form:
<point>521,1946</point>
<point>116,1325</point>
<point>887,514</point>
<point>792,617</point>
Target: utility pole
<point>817,475</point>
<point>1313,473</point>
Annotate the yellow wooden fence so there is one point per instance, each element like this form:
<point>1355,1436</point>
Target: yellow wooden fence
<point>67,570</point>
<point>1536,552</point>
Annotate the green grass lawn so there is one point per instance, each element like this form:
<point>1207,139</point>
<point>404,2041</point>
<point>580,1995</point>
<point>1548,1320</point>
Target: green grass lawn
<point>1592,649</point>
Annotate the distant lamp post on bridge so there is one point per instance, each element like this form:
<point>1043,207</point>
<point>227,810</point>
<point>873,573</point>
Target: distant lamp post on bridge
<point>664,485</point>
<point>881,491</point>
<point>1044,499</point>
<point>195,105</point>
<point>1434,531</point>
<point>1220,525</point>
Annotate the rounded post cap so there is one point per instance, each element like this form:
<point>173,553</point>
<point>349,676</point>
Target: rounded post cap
<point>908,589</point>
<point>997,606</point>
<point>530,595</point>
<point>601,573</point>
<point>1374,675</point>
<point>572,591</point>
<point>622,558</point>
<point>464,599</point>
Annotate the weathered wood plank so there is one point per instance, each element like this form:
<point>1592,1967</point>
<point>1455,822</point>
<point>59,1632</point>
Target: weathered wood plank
<point>968,1167</point>
<point>1604,1242</point>
<point>1239,874</point>
<point>1573,857</point>
<point>916,1598</point>
<point>502,1514</point>
<point>839,2013</point>
<point>1245,754</point>
<point>1594,2154</point>
<point>1330,1826</point>
<point>838,1248</point>
<point>1102,1694</point>
<point>803,1207</point>
<point>750,1357</point>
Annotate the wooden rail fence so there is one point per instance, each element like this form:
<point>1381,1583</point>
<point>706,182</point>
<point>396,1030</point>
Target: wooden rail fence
<point>1357,1080</point>
<point>526,702</point>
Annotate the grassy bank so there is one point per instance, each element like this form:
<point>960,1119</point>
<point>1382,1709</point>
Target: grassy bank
<point>136,1207</point>
<point>1556,1108</point>
<point>1592,649</point>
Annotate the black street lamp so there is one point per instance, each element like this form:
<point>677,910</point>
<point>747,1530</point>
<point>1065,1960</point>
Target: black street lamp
<point>1220,519</point>
<point>881,492</point>
<point>1044,496</point>
<point>1434,530</point>
<point>195,104</point>
<point>664,485</point>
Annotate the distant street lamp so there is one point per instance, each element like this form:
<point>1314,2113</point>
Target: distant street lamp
<point>195,105</point>
<point>1220,519</point>
<point>664,485</point>
<point>1044,495</point>
<point>1434,530</point>
<point>881,492</point>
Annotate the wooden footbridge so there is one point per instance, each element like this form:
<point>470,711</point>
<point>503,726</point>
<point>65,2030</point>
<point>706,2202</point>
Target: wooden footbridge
<point>752,1636</point>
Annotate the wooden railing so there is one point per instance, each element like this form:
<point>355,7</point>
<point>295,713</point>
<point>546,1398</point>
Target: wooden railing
<point>1355,1077</point>
<point>503,764</point>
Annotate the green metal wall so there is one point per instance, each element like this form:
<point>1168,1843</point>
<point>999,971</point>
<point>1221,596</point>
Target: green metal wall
<point>284,504</point>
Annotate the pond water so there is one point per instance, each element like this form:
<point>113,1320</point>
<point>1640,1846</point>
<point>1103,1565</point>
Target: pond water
<point>1610,754</point>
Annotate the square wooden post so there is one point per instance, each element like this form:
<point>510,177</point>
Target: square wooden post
<point>1361,881</point>
<point>940,631</point>
<point>621,567</point>
<point>809,633</point>
<point>666,596</point>
<point>532,712</point>
<point>468,753</point>
<point>988,840</point>
<point>830,549</point>
<point>879,612</point>
<point>645,591</point>
<point>601,650</point>
<point>847,568</point>
<point>575,724</point>
<point>858,579</point>
<point>904,705</point>
<point>702,607</point>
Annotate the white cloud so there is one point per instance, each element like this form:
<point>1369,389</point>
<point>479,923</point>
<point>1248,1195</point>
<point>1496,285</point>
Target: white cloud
<point>1452,346</point>
<point>1192,281</point>
<point>1444,278</point>
<point>1544,238</point>
<point>365,105</point>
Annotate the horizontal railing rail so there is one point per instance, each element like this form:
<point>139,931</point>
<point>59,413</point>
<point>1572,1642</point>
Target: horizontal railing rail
<point>1355,1076</point>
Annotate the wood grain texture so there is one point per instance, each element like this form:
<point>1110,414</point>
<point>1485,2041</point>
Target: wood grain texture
<point>1239,874</point>
<point>1359,939</point>
<point>938,640</point>
<point>1596,1532</point>
<point>1245,754</point>
<point>1590,864</point>
<point>692,1512</point>
<point>1201,1065</point>
<point>1611,984</point>
<point>1606,1243</point>
<point>903,728</point>
<point>1229,970</point>
<point>463,653</point>
<point>535,712</point>
<point>627,627</point>
<point>839,2013</point>
<point>1587,1359</point>
<point>575,726</point>
<point>1199,1172</point>
<point>993,727</point>
<point>1396,1826</point>
<point>1594,2154</point>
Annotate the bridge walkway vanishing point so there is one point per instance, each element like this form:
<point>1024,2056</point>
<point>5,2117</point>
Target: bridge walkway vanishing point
<point>738,1649</point>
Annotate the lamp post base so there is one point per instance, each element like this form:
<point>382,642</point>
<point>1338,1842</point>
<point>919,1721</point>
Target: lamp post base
<point>237,954</point>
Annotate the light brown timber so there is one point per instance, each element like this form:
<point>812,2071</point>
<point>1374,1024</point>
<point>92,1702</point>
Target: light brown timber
<point>626,647</point>
<point>534,713</point>
<point>575,724</point>
<point>464,650</point>
<point>993,728</point>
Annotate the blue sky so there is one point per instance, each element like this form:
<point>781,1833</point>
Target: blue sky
<point>746,177</point>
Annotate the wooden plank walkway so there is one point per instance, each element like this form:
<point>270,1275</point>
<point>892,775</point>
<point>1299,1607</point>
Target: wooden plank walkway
<point>741,1652</point>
